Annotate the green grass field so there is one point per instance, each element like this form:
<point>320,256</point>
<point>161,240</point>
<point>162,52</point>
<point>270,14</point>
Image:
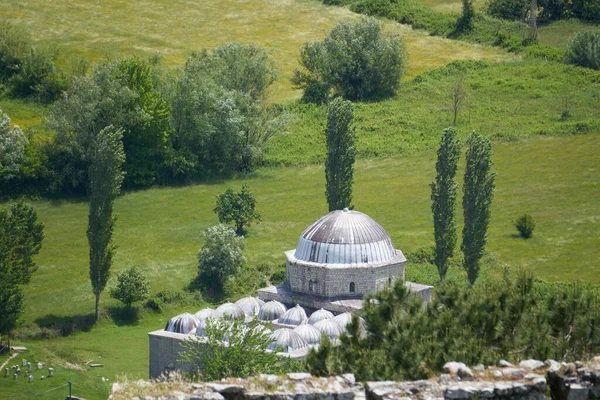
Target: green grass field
<point>159,230</point>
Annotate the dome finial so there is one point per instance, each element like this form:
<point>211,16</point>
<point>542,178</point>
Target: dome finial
<point>345,209</point>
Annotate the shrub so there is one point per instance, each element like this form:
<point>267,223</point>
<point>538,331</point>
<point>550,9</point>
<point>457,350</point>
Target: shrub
<point>525,225</point>
<point>584,49</point>
<point>132,286</point>
<point>220,257</point>
<point>356,60</point>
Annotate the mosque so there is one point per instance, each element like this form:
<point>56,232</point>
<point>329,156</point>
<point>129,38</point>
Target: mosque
<point>339,258</point>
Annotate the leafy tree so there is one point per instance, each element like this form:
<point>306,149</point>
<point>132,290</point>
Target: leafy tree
<point>443,200</point>
<point>514,10</point>
<point>105,177</point>
<point>120,94</point>
<point>232,349</point>
<point>583,49</point>
<point>356,61</point>
<point>220,119</point>
<point>221,256</point>
<point>132,286</point>
<point>239,208</point>
<point>12,148</point>
<point>21,238</point>
<point>478,192</point>
<point>341,151</point>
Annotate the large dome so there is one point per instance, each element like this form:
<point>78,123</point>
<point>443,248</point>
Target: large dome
<point>345,237</point>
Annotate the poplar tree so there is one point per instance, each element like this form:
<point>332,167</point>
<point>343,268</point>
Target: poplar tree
<point>105,179</point>
<point>341,151</point>
<point>478,191</point>
<point>443,200</point>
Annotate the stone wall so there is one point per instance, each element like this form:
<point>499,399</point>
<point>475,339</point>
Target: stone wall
<point>333,280</point>
<point>528,380</point>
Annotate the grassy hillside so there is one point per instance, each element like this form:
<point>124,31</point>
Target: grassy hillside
<point>507,101</point>
<point>159,230</point>
<point>173,29</point>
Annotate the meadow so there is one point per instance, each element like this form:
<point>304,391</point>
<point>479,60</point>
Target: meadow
<point>160,231</point>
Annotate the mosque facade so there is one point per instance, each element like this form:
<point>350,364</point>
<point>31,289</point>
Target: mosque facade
<point>339,258</point>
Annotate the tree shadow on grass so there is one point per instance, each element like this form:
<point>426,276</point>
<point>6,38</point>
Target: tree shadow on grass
<point>67,325</point>
<point>124,316</point>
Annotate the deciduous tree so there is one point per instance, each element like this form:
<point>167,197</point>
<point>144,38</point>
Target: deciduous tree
<point>443,200</point>
<point>239,208</point>
<point>478,192</point>
<point>21,238</point>
<point>105,179</point>
<point>132,286</point>
<point>12,148</point>
<point>341,151</point>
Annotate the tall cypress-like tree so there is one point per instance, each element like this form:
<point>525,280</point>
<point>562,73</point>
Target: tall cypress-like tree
<point>105,179</point>
<point>341,151</point>
<point>443,200</point>
<point>478,191</point>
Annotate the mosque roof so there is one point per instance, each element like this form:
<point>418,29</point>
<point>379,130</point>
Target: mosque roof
<point>345,237</point>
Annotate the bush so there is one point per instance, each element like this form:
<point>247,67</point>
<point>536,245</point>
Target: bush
<point>525,225</point>
<point>355,61</point>
<point>584,49</point>
<point>239,208</point>
<point>132,286</point>
<point>220,257</point>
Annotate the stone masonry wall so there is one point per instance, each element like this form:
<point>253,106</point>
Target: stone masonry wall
<point>529,380</point>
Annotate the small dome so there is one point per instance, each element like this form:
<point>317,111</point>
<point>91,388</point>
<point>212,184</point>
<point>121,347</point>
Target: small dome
<point>346,318</point>
<point>271,310</point>
<point>230,311</point>
<point>329,327</point>
<point>250,305</point>
<point>293,316</point>
<point>182,323</point>
<point>345,237</point>
<point>309,333</point>
<point>288,339</point>
<point>319,315</point>
<point>207,313</point>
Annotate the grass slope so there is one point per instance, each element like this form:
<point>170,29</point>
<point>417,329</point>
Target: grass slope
<point>159,230</point>
<point>507,101</point>
<point>175,28</point>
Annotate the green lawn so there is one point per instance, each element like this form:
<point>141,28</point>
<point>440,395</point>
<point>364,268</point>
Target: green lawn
<point>159,230</point>
<point>558,33</point>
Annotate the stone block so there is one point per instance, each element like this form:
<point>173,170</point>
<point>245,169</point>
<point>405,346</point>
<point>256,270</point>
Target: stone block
<point>531,364</point>
<point>578,392</point>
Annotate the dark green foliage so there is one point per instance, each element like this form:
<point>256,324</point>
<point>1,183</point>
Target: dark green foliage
<point>465,22</point>
<point>584,49</point>
<point>588,10</point>
<point>106,177</point>
<point>242,356</point>
<point>514,10</point>
<point>355,61</point>
<point>132,286</point>
<point>21,238</point>
<point>341,151</point>
<point>478,192</point>
<point>443,200</point>
<point>525,225</point>
<point>239,208</point>
<point>479,324</point>
<point>145,134</point>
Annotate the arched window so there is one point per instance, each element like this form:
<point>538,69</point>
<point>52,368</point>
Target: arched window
<point>352,287</point>
<point>310,286</point>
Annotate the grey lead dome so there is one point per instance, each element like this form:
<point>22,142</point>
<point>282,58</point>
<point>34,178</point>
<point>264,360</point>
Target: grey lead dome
<point>345,237</point>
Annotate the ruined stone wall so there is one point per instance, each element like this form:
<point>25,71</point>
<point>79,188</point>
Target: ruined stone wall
<point>528,380</point>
